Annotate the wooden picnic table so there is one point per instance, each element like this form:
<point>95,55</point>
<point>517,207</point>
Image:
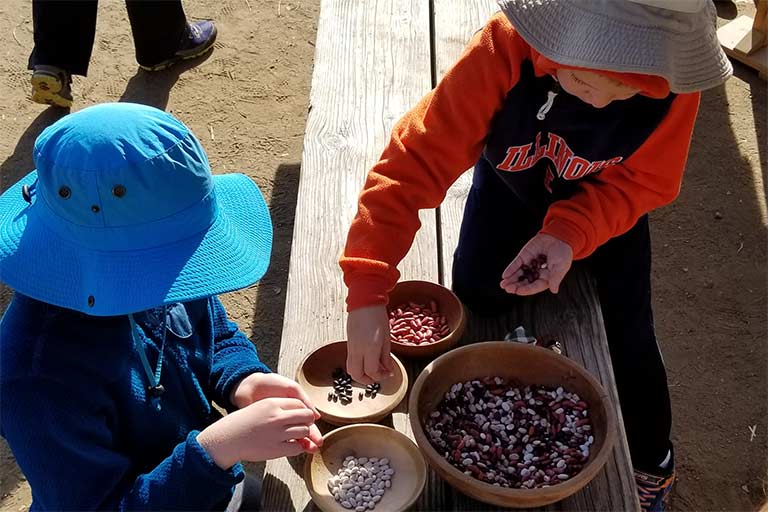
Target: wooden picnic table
<point>374,60</point>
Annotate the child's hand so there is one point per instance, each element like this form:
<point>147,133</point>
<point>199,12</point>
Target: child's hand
<point>559,257</point>
<point>368,357</point>
<point>268,429</point>
<point>258,386</point>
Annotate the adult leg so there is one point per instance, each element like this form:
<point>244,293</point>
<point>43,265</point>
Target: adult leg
<point>157,28</point>
<point>63,32</point>
<point>622,270</point>
<point>162,35</point>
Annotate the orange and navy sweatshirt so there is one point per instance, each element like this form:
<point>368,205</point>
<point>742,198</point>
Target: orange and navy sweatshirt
<point>593,172</point>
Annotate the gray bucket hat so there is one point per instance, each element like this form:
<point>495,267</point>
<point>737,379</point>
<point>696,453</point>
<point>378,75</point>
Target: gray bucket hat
<point>674,39</point>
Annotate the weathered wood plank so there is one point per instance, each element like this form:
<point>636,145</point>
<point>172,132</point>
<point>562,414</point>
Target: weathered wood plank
<point>372,63</point>
<point>573,317</point>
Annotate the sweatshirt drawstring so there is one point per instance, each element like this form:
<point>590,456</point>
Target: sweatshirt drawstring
<point>542,113</point>
<point>155,390</point>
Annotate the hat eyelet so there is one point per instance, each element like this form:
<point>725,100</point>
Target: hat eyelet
<point>118,191</point>
<point>65,192</point>
<point>95,209</point>
<point>91,301</point>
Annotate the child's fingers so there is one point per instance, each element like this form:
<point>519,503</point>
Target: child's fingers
<point>301,416</point>
<point>291,448</point>
<point>355,366</point>
<point>387,363</point>
<point>372,365</point>
<point>296,432</point>
<point>315,436</point>
<point>293,390</point>
<point>308,445</point>
<point>512,268</point>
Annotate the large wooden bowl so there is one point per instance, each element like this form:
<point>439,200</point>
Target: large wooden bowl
<point>447,303</point>
<point>315,376</point>
<point>529,365</point>
<point>367,440</point>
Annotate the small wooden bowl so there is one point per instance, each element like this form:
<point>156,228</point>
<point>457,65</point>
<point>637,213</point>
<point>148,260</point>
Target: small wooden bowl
<point>448,304</point>
<point>529,365</point>
<point>367,440</point>
<point>315,376</point>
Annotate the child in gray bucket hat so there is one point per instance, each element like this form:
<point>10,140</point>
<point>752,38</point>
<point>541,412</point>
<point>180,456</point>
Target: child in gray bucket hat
<point>115,345</point>
<point>577,116</point>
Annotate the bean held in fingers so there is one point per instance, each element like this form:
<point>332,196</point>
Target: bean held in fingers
<point>530,270</point>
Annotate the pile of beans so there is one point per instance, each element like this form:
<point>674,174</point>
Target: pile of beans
<point>417,324</point>
<point>342,388</point>
<point>510,436</point>
<point>361,482</point>
<point>531,270</point>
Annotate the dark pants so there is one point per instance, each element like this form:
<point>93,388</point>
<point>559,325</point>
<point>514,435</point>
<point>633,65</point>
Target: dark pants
<point>65,29</point>
<point>494,229</point>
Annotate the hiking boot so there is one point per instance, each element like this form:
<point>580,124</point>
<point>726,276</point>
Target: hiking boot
<point>198,39</point>
<point>51,86</point>
<point>653,490</point>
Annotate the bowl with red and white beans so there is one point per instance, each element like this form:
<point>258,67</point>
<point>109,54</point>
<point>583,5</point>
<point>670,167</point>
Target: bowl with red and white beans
<point>425,319</point>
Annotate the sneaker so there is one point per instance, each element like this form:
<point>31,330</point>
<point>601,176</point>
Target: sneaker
<point>51,86</point>
<point>653,490</point>
<point>197,40</point>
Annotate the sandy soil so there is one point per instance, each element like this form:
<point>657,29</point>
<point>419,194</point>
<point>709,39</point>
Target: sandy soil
<point>247,103</point>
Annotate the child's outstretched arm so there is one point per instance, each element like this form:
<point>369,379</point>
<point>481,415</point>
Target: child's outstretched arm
<point>608,204</point>
<point>611,202</point>
<point>430,147</point>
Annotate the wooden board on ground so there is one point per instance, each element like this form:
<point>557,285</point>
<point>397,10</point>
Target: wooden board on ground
<point>741,41</point>
<point>573,316</point>
<point>372,63</point>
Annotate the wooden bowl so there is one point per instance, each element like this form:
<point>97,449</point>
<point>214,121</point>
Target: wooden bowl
<point>367,440</point>
<point>448,304</point>
<point>528,365</point>
<point>315,376</point>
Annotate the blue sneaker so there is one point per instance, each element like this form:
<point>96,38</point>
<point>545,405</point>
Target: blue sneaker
<point>653,490</point>
<point>51,86</point>
<point>197,41</point>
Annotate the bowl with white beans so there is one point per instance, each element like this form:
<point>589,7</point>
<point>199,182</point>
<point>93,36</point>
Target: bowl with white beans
<point>365,467</point>
<point>425,319</point>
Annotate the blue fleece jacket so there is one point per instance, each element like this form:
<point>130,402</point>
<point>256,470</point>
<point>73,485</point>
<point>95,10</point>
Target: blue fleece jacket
<point>75,410</point>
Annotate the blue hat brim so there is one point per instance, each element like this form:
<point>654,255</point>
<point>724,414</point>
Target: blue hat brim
<point>231,254</point>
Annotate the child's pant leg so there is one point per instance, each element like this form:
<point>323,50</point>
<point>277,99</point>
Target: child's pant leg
<point>622,271</point>
<point>493,230</point>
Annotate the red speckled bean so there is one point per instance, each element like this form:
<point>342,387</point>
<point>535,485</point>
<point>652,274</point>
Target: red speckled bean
<point>416,324</point>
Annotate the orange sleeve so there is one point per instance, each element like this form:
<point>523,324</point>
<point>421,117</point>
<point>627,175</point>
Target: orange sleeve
<point>610,203</point>
<point>430,147</point>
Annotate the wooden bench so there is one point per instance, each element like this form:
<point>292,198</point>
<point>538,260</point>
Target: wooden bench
<point>374,60</point>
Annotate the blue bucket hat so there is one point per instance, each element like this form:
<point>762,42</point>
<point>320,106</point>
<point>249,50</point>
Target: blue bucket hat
<point>122,214</point>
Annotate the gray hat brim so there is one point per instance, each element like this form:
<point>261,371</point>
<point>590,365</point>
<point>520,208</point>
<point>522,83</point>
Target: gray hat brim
<point>625,37</point>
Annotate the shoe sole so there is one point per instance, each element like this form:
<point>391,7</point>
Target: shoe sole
<point>46,88</point>
<point>182,57</point>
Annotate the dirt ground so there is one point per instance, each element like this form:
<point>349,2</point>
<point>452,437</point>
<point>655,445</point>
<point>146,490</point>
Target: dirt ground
<point>247,102</point>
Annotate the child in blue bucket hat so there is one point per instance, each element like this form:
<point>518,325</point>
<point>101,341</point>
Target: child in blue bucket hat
<point>115,345</point>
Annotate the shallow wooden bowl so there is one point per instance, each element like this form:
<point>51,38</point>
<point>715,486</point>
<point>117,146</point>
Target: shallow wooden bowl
<point>448,304</point>
<point>315,376</point>
<point>528,365</point>
<point>367,440</point>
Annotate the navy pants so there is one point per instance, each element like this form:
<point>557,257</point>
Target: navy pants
<point>65,30</point>
<point>495,227</point>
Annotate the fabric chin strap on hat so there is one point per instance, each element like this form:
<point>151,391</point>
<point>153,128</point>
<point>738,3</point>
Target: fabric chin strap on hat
<point>155,390</point>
